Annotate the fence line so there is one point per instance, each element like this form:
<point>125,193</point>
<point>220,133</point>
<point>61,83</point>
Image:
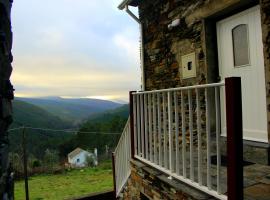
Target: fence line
<point>62,130</point>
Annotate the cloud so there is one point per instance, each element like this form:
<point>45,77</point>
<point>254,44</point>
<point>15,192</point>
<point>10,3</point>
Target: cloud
<point>74,48</point>
<point>129,44</point>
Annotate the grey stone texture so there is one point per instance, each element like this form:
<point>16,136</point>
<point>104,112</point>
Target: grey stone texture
<point>164,47</point>
<point>156,185</point>
<point>254,152</point>
<point>6,95</point>
<point>265,14</point>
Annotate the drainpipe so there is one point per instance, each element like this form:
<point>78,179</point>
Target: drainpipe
<point>142,48</point>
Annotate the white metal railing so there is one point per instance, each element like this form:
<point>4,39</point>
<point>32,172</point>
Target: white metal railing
<point>122,156</point>
<point>178,131</point>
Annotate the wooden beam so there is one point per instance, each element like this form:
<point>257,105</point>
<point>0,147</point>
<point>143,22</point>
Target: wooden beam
<point>234,138</point>
<point>114,174</point>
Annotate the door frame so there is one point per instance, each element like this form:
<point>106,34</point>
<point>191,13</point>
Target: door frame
<point>262,135</point>
<point>211,46</point>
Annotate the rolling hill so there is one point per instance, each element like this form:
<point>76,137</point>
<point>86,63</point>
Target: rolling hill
<point>122,111</point>
<point>25,114</point>
<point>111,121</point>
<point>31,115</point>
<point>72,110</point>
<point>50,114</point>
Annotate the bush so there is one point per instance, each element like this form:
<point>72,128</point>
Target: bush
<point>106,165</point>
<point>50,160</point>
<point>36,163</point>
<point>90,162</point>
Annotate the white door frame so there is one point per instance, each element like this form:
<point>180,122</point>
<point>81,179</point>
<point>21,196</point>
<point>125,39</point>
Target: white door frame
<point>256,62</point>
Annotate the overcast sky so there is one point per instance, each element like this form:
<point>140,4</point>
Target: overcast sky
<point>74,48</point>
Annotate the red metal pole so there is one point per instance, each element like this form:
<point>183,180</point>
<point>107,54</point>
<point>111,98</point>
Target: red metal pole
<point>131,114</point>
<point>114,174</point>
<point>234,138</point>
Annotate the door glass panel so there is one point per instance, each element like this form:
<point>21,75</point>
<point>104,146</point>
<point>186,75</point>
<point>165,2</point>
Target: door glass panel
<point>240,45</point>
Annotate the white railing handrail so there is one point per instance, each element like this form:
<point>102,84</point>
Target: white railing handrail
<point>122,156</point>
<point>163,116</point>
<point>222,83</point>
<point>122,135</point>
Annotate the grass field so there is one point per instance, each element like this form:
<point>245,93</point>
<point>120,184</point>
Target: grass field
<point>73,183</point>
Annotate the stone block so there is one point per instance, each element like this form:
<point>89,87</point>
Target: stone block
<point>258,192</point>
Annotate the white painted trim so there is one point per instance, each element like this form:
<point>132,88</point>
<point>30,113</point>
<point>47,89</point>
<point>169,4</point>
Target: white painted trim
<point>119,190</point>
<point>238,14</point>
<point>182,88</point>
<point>263,139</point>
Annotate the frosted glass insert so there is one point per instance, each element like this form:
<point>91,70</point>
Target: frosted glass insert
<point>240,45</point>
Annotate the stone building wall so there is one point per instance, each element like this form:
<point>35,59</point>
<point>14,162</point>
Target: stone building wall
<point>6,95</point>
<point>265,12</point>
<point>147,183</point>
<point>163,48</point>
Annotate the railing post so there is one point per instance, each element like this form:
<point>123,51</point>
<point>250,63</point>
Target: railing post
<point>234,138</point>
<point>114,175</point>
<point>25,165</point>
<point>131,114</point>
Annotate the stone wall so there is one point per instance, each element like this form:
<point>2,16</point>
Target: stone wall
<point>6,95</point>
<point>163,48</point>
<point>146,182</point>
<point>265,8</point>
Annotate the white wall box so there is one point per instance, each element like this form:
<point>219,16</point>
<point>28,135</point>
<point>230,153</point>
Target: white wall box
<point>189,66</point>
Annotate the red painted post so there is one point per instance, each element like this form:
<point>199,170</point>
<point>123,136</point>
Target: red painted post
<point>114,174</point>
<point>234,138</point>
<point>131,114</point>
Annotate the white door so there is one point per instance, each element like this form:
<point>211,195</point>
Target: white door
<point>240,53</point>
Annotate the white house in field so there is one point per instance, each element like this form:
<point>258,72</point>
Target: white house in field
<point>78,157</point>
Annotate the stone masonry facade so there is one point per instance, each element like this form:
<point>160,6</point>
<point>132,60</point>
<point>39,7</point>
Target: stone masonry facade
<point>6,95</point>
<point>147,183</point>
<point>265,12</point>
<point>164,47</point>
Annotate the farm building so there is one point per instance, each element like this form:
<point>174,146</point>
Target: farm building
<point>78,157</point>
<point>200,126</point>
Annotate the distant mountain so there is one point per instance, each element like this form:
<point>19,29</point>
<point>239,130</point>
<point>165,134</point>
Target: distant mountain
<point>122,111</point>
<point>73,110</point>
<point>29,115</point>
<point>120,101</point>
<point>111,121</point>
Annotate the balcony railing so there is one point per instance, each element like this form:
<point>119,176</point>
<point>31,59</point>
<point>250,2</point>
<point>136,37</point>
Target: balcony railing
<point>174,133</point>
<point>121,159</point>
<point>178,131</point>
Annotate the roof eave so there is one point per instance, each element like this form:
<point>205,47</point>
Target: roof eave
<point>128,2</point>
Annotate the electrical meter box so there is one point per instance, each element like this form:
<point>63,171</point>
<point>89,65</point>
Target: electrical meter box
<point>189,66</point>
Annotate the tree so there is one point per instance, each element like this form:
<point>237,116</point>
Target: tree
<point>51,159</point>
<point>90,161</point>
<point>16,162</point>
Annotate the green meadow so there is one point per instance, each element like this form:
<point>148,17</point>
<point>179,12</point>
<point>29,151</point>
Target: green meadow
<point>73,183</point>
